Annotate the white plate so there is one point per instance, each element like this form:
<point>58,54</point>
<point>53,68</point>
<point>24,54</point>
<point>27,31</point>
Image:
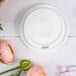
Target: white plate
<point>43,27</point>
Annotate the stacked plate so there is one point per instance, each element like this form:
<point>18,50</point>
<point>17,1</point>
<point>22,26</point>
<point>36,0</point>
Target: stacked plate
<point>43,28</point>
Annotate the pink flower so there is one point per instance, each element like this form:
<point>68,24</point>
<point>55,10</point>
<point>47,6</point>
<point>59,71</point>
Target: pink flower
<point>36,70</point>
<point>64,69</point>
<point>6,52</point>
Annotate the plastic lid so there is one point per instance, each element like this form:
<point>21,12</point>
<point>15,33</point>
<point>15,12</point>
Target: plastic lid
<point>43,27</point>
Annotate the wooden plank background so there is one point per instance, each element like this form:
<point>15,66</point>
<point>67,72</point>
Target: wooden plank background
<point>13,10</point>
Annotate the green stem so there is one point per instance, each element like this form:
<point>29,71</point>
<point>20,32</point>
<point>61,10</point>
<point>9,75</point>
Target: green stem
<point>9,70</point>
<point>17,73</point>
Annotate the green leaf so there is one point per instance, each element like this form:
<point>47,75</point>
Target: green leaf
<point>2,0</point>
<point>1,27</point>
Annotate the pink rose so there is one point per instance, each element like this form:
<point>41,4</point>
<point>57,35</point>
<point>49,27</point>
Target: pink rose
<point>36,70</point>
<point>6,52</point>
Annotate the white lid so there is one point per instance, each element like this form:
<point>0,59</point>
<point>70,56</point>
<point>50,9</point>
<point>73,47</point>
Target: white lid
<point>42,27</point>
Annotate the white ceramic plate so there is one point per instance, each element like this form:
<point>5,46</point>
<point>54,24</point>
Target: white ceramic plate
<point>43,27</point>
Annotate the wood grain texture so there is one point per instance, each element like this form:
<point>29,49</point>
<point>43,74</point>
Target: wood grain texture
<point>13,11</point>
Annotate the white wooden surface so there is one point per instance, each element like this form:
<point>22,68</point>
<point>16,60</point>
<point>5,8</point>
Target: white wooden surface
<point>13,10</point>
